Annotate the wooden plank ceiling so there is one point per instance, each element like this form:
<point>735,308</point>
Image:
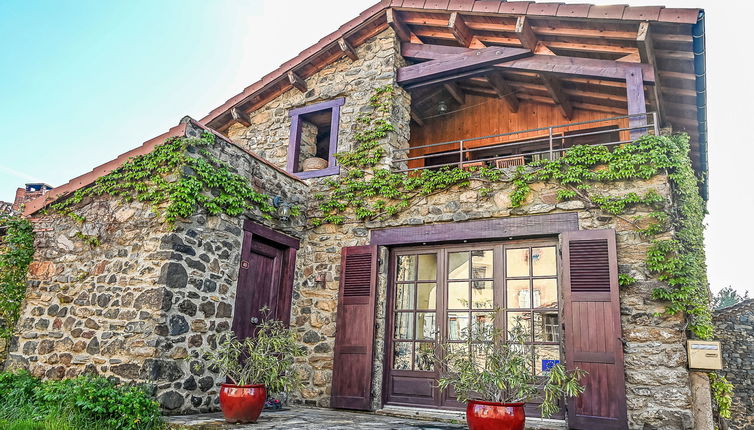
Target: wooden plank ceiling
<point>667,47</point>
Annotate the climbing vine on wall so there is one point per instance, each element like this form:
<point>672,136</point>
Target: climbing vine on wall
<point>178,177</point>
<point>367,191</point>
<point>16,253</point>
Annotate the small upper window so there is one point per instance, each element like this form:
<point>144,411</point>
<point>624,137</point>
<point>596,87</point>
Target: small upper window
<point>314,139</point>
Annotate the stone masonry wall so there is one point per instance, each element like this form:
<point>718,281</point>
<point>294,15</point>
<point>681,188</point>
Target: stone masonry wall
<point>734,327</point>
<point>143,304</point>
<point>656,376</point>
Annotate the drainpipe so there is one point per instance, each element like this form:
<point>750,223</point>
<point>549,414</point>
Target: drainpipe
<point>700,69</point>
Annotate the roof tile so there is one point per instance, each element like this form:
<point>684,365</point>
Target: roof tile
<point>574,10</point>
<point>549,9</point>
<point>396,3</point>
<point>642,13</point>
<point>514,7</point>
<point>413,3</point>
<point>607,11</point>
<point>436,4</point>
<point>461,5</point>
<point>683,16</point>
<point>487,6</point>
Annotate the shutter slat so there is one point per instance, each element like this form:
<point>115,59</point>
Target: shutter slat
<point>354,335</point>
<point>591,317</point>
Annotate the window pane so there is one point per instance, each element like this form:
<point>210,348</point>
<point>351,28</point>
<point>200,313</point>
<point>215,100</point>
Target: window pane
<point>517,262</point>
<point>402,356</point>
<point>426,296</point>
<point>425,356</point>
<point>458,325</point>
<point>458,295</point>
<point>481,264</point>
<point>545,294</point>
<point>406,268</point>
<point>543,262</point>
<point>545,356</point>
<point>427,267</point>
<point>546,327</point>
<point>517,292</point>
<point>404,296</point>
<point>425,325</point>
<point>481,294</point>
<point>482,324</point>
<point>456,351</point>
<point>404,324</point>
<point>519,324</point>
<point>458,265</point>
<point>479,353</point>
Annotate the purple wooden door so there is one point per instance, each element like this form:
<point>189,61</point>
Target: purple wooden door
<point>265,279</point>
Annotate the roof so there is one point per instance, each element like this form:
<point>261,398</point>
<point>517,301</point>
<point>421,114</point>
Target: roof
<point>88,178</point>
<point>679,49</point>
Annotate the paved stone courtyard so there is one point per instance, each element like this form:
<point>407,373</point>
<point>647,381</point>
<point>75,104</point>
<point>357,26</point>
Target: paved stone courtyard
<point>300,418</point>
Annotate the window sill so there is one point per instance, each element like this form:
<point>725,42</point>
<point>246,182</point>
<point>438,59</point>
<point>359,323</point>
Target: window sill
<point>328,171</point>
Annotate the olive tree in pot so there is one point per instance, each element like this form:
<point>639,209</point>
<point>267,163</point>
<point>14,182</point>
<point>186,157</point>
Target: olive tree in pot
<point>495,378</point>
<point>255,366</point>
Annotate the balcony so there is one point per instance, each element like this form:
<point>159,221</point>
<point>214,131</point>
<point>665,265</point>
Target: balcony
<point>518,148</point>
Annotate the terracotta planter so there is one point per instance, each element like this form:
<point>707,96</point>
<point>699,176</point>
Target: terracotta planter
<point>495,416</point>
<point>242,403</point>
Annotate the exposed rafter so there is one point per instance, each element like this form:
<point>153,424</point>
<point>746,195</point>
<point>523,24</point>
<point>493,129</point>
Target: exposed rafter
<point>503,90</point>
<point>347,49</point>
<point>240,117</point>
<point>297,82</point>
<point>456,92</point>
<point>525,34</point>
<point>404,34</point>
<point>556,92</point>
<point>647,55</point>
<point>460,30</point>
<point>415,117</point>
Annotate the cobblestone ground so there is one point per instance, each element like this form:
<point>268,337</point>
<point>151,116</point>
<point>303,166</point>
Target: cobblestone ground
<point>299,418</point>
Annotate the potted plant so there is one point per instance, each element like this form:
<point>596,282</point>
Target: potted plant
<point>255,366</point>
<point>495,378</point>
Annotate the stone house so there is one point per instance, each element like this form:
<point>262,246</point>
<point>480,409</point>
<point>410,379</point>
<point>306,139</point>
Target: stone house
<point>735,328</point>
<point>463,84</point>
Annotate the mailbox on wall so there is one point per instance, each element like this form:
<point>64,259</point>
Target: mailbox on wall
<point>705,355</point>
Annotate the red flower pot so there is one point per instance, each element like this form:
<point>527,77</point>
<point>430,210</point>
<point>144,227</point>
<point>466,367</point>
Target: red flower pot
<point>242,403</point>
<point>495,416</point>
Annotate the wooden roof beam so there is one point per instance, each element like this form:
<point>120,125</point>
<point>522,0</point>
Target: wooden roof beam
<point>240,117</point>
<point>556,92</point>
<point>417,119</point>
<point>525,34</point>
<point>347,49</point>
<point>647,55</point>
<point>297,82</point>
<point>554,64</point>
<point>456,92</point>
<point>504,90</point>
<point>460,30</point>
<point>403,32</point>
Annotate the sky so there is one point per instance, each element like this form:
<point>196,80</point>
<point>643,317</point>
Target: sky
<point>82,81</point>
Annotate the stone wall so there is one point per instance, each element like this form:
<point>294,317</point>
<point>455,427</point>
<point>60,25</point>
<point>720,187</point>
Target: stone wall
<point>143,304</point>
<point>656,376</point>
<point>735,329</point>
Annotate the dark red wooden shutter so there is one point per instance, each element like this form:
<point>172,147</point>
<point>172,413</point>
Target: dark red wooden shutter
<point>591,319</point>
<point>354,336</point>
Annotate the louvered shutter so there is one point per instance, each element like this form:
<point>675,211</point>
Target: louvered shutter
<point>354,336</point>
<point>592,326</point>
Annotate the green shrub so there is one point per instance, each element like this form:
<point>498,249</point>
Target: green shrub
<point>86,402</point>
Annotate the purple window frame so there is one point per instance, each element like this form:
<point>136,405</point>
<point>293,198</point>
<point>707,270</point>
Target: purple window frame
<point>295,140</point>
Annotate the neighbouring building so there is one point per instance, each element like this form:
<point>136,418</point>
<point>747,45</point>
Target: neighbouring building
<point>28,193</point>
<point>471,84</point>
<point>735,329</point>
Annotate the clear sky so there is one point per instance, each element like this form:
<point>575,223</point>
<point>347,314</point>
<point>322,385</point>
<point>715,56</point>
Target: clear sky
<point>82,81</point>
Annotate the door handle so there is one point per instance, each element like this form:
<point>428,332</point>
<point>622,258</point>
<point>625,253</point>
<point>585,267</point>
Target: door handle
<point>254,320</point>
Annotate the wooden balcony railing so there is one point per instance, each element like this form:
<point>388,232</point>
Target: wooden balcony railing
<point>519,147</point>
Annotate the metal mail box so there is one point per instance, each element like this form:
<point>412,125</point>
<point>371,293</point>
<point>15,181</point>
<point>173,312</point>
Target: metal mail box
<point>705,355</point>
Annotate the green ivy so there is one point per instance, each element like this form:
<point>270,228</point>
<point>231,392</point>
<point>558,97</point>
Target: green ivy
<point>181,176</point>
<point>722,394</point>
<point>16,253</point>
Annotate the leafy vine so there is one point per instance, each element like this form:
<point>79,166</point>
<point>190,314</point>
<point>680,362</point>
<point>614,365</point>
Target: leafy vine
<point>16,254</point>
<point>181,176</point>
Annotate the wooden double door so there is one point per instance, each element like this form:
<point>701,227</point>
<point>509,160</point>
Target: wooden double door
<point>436,293</point>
